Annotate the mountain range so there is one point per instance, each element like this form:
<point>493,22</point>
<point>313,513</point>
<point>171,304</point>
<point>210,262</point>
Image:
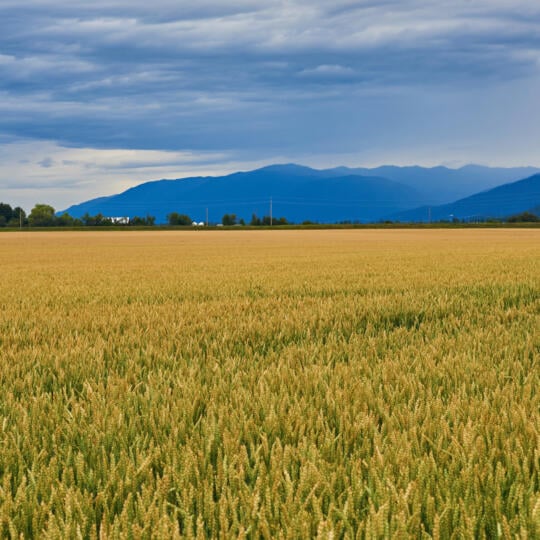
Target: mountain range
<point>502,201</point>
<point>332,195</point>
<point>441,185</point>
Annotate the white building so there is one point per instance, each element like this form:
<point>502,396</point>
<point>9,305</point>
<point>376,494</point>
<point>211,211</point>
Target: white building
<point>119,220</point>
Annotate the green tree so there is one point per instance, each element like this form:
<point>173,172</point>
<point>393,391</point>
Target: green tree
<point>255,221</point>
<point>267,221</point>
<point>174,218</point>
<point>524,217</point>
<point>65,220</point>
<point>99,220</point>
<point>228,220</point>
<point>6,214</point>
<point>102,221</point>
<point>19,217</point>
<point>147,221</point>
<point>42,215</point>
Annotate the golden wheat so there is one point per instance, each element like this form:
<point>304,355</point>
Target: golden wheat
<point>292,384</point>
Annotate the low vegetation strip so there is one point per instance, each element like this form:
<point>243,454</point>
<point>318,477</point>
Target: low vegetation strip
<point>257,384</point>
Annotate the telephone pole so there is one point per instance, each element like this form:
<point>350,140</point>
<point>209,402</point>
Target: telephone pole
<point>207,217</point>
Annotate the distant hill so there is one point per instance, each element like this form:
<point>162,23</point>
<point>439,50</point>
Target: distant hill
<point>297,193</point>
<point>302,193</point>
<point>440,185</point>
<point>500,202</point>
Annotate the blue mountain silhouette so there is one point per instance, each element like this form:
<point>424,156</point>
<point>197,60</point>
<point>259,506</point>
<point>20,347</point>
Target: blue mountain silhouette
<point>301,193</point>
<point>297,193</point>
<point>499,202</point>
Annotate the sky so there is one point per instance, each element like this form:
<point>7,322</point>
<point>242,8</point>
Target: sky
<point>96,97</point>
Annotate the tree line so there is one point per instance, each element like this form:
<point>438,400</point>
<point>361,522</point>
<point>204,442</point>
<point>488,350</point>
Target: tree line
<point>44,215</point>
<point>230,220</point>
<point>12,217</point>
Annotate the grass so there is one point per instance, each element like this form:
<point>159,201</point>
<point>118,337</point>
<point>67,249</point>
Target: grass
<point>288,384</point>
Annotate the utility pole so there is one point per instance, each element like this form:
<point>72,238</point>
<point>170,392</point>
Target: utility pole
<point>207,217</point>
<point>20,219</point>
<point>271,222</point>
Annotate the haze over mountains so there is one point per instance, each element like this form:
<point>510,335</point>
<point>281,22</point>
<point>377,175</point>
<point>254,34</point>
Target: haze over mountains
<point>499,202</point>
<point>441,185</point>
<point>340,194</point>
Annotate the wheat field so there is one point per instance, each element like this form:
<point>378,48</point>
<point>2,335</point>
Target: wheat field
<point>270,384</point>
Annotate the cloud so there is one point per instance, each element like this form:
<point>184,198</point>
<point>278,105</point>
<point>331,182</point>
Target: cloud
<point>263,79</point>
<point>326,70</point>
<point>46,163</point>
<point>33,170</point>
